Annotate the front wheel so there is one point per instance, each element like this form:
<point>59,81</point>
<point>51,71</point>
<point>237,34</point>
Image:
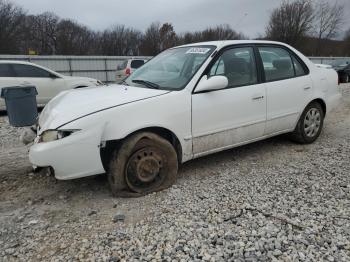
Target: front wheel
<point>309,125</point>
<point>144,163</point>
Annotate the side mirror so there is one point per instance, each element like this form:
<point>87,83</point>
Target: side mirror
<point>213,83</point>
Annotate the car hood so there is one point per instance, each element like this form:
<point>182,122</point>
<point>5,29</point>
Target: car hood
<point>71,105</point>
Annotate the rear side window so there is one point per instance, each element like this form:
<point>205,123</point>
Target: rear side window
<point>299,69</point>
<point>29,71</point>
<point>277,63</point>
<point>5,71</point>
<point>137,63</point>
<point>123,65</point>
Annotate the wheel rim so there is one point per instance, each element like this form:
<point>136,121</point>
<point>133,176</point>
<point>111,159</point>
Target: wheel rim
<point>312,122</point>
<point>144,170</point>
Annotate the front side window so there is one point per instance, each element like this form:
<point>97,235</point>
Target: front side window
<point>277,63</point>
<point>5,71</point>
<point>171,69</point>
<point>30,71</point>
<point>123,65</point>
<point>238,65</point>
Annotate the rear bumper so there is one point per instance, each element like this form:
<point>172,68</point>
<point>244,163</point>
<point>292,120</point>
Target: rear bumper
<point>75,156</point>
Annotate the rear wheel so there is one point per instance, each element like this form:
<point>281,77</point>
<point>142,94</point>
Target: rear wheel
<point>309,125</point>
<point>344,78</point>
<point>145,163</point>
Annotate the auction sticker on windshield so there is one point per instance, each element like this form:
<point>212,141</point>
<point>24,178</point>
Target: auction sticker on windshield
<point>198,50</point>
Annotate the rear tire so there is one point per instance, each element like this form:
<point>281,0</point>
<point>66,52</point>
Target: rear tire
<point>344,78</point>
<point>310,124</point>
<point>144,163</point>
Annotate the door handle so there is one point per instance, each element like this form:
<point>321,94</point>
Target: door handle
<point>257,97</point>
<point>307,87</point>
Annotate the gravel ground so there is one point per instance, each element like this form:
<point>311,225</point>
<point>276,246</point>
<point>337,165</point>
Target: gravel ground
<point>268,201</point>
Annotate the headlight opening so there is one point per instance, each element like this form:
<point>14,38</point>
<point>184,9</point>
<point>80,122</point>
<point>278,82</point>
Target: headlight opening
<point>53,135</point>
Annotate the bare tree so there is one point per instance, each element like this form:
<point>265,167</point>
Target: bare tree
<point>220,32</point>
<point>74,39</point>
<point>151,40</point>
<point>42,32</point>
<point>167,36</point>
<point>12,20</point>
<point>291,22</point>
<point>347,43</point>
<point>120,40</point>
<point>328,20</point>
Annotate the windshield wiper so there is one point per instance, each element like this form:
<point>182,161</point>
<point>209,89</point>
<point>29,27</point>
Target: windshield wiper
<point>146,83</point>
<point>124,82</point>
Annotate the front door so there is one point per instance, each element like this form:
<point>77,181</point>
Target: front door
<point>234,115</point>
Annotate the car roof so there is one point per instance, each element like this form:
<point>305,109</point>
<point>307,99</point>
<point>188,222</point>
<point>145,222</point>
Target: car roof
<point>224,43</point>
<point>28,63</point>
<point>135,58</point>
<point>16,62</point>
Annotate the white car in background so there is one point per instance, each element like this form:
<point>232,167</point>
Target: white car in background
<point>209,97</point>
<point>47,82</point>
<point>324,66</point>
<point>127,67</point>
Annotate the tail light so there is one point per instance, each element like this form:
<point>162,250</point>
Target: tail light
<point>127,71</point>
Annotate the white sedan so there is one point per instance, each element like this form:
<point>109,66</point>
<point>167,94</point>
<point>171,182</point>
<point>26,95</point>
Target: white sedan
<point>221,95</point>
<point>47,82</point>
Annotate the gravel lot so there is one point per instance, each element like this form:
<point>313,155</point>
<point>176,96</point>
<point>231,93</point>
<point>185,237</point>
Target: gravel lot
<point>271,200</point>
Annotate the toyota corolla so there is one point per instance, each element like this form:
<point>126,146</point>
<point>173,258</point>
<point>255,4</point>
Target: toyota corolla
<point>187,102</point>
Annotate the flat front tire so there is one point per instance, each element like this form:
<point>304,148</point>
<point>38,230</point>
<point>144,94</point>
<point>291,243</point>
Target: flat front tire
<point>144,163</point>
<point>310,124</point>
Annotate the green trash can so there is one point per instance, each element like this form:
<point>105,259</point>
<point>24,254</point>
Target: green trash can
<point>21,105</point>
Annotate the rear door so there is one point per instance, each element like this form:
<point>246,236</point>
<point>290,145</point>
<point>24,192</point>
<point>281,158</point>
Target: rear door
<point>288,87</point>
<point>7,79</point>
<point>46,84</point>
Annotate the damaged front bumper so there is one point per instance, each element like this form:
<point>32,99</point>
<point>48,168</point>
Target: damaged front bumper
<point>75,156</point>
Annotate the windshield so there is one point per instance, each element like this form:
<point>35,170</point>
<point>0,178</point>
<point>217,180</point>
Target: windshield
<point>171,69</point>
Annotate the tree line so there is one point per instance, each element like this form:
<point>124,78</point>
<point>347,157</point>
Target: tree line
<point>310,26</point>
<point>304,24</point>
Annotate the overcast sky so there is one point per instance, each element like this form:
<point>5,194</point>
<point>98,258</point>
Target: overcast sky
<point>246,16</point>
